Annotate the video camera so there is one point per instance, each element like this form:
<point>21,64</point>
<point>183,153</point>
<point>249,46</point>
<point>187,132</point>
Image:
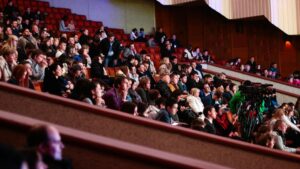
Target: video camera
<point>257,91</point>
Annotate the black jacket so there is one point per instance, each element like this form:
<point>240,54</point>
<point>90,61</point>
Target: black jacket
<point>104,47</point>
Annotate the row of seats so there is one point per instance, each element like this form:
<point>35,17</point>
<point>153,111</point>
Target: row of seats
<point>27,3</point>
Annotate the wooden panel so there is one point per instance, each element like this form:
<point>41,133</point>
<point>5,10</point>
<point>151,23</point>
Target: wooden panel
<point>141,131</point>
<point>232,38</point>
<point>89,150</point>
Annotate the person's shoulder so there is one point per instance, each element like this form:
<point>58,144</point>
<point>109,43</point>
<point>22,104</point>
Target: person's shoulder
<point>2,61</point>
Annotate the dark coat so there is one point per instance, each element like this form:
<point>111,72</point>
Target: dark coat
<point>105,45</point>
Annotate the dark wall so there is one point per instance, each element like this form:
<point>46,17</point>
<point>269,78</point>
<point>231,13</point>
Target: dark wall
<point>199,25</point>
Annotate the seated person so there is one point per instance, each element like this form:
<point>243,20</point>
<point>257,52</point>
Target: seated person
<point>167,115</point>
<point>46,140</point>
<point>280,128</point>
<point>71,26</point>
<point>62,24</point>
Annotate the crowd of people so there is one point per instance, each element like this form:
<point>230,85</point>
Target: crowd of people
<point>271,72</point>
<point>177,94</point>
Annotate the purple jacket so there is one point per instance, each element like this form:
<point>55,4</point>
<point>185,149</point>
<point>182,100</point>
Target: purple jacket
<point>112,99</point>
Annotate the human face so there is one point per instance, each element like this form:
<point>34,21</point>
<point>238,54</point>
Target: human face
<point>166,79</point>
<point>58,71</point>
<point>29,69</point>
<point>76,38</point>
<point>173,110</point>
<point>176,79</point>
<point>235,88</point>
<point>35,29</point>
<point>50,61</point>
<point>184,79</point>
<point>196,78</point>
<point>283,127</point>
<point>213,113</point>
<point>221,89</point>
<point>148,85</point>
<point>54,144</point>
<point>71,41</point>
<point>142,69</point>
<point>55,41</point>
<point>194,65</point>
<point>189,69</point>
<point>15,42</point>
<point>124,85</point>
<point>270,143</point>
<point>63,46</point>
<point>78,73</point>
<point>8,31</point>
<point>209,80</point>
<point>11,58</point>
<point>97,92</point>
<point>132,46</point>
<point>86,32</point>
<point>39,58</point>
<point>206,88</point>
<point>111,39</point>
<point>14,24</point>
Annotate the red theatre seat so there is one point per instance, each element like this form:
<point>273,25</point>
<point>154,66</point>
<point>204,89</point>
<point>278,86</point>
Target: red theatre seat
<point>34,4</point>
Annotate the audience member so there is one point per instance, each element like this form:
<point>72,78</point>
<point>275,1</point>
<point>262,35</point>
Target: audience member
<point>7,62</point>
<point>280,128</point>
<point>110,47</point>
<point>117,95</point>
<point>210,115</point>
<point>46,140</point>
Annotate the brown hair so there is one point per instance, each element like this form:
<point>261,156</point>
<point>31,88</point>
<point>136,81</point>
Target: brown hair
<point>143,81</point>
<point>278,114</point>
<point>8,51</point>
<point>19,71</point>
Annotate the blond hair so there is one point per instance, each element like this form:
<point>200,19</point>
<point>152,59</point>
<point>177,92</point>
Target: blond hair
<point>194,91</point>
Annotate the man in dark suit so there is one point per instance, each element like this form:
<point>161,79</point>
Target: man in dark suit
<point>110,47</point>
<point>210,115</point>
<point>252,65</point>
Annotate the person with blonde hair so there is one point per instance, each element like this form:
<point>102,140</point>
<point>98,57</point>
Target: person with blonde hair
<point>165,66</point>
<point>280,114</point>
<point>195,102</point>
<point>11,43</point>
<point>280,128</point>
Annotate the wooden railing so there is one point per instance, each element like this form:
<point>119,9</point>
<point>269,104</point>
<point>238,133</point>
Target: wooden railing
<point>153,134</point>
<point>259,78</point>
<point>285,92</point>
<point>88,150</point>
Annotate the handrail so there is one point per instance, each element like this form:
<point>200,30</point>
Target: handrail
<point>257,77</point>
<point>150,123</point>
<point>254,75</point>
<point>241,80</point>
<point>99,142</point>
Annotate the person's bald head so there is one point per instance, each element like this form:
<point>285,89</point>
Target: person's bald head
<point>46,139</point>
